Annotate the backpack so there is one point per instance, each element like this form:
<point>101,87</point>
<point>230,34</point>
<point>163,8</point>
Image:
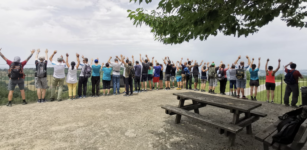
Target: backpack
<point>132,72</point>
<point>288,127</point>
<point>289,78</point>
<point>240,73</point>
<point>212,73</point>
<point>15,71</point>
<point>186,71</point>
<point>87,71</point>
<point>41,70</point>
<point>220,75</point>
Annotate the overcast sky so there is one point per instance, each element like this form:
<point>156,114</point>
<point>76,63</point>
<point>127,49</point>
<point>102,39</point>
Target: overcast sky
<point>101,29</point>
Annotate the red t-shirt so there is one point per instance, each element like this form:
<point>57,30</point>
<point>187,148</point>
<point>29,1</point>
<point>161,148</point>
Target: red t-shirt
<point>296,74</point>
<point>22,63</point>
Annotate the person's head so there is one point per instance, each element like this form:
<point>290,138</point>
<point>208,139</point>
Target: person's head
<point>130,63</point>
<point>223,66</point>
<point>212,65</point>
<point>146,60</point>
<point>161,65</point>
<point>270,68</point>
<point>116,60</point>
<point>173,65</point>
<point>196,64</point>
<point>189,62</point>
<point>185,63</point>
<point>293,66</point>
<point>137,62</point>
<point>60,59</point>
<point>127,60</point>
<point>107,64</point>
<point>96,61</point>
<point>179,67</point>
<point>41,59</point>
<point>150,64</point>
<point>73,64</point>
<point>17,59</point>
<point>85,60</point>
<point>169,62</point>
<point>157,64</point>
<point>204,67</point>
<point>233,66</point>
<point>253,66</point>
<point>242,63</point>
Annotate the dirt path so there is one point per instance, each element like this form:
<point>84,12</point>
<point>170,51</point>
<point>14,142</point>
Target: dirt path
<point>119,123</point>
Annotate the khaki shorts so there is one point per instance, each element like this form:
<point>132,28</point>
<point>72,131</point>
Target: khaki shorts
<point>183,77</point>
<point>41,83</point>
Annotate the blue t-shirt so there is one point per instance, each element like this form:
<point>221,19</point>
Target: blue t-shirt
<point>137,69</point>
<point>96,70</point>
<point>106,73</point>
<point>254,74</point>
<point>157,71</point>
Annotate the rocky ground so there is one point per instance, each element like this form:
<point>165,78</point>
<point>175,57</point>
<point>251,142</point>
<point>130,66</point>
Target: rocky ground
<point>120,123</point>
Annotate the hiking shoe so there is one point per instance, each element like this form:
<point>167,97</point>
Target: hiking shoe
<point>52,99</point>
<point>178,89</point>
<point>84,96</point>
<point>238,96</point>
<point>70,99</point>
<point>267,101</point>
<point>9,104</point>
<point>294,106</point>
<point>272,102</point>
<point>244,97</point>
<point>80,97</point>
<point>126,95</point>
<point>24,102</point>
<point>287,105</point>
<point>255,99</point>
<point>39,101</point>
<point>59,100</point>
<point>108,94</point>
<point>43,101</point>
<point>252,98</point>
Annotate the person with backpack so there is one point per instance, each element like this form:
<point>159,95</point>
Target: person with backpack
<point>188,75</point>
<point>233,80</point>
<point>137,79</point>
<point>212,74</point>
<point>222,77</point>
<point>72,79</point>
<point>116,65</point>
<point>270,80</point>
<point>129,75</point>
<point>58,76</point>
<point>183,66</point>
<point>156,77</point>
<point>161,77</point>
<point>254,79</point>
<point>167,73</point>
<point>106,78</point>
<point>144,72</point>
<point>195,73</point>
<point>41,76</point>
<point>173,74</point>
<point>178,76</point>
<point>291,80</point>
<point>204,77</point>
<point>150,75</point>
<point>16,76</point>
<point>95,77</point>
<point>241,76</point>
<point>86,72</point>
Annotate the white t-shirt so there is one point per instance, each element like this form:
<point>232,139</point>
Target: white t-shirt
<point>112,64</point>
<point>244,68</point>
<point>59,70</point>
<point>72,75</point>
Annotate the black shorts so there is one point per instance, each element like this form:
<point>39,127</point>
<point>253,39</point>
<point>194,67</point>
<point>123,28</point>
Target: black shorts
<point>106,84</point>
<point>167,77</point>
<point>124,80</point>
<point>195,78</point>
<point>144,77</point>
<point>270,86</point>
<point>149,77</point>
<point>161,78</point>
<point>254,83</point>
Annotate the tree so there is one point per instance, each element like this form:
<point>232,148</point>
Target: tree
<point>176,21</point>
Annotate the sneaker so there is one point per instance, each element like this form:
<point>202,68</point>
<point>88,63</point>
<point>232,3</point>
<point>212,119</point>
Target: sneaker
<point>80,97</point>
<point>294,106</point>
<point>195,90</point>
<point>238,96</point>
<point>131,94</point>
<point>24,102</point>
<point>244,97</point>
<point>9,104</point>
<point>287,105</point>
<point>113,94</point>
<point>267,101</point>
<point>97,95</point>
<point>39,101</point>
<point>104,94</point>
<point>93,96</point>
<point>84,96</point>
<point>272,102</point>
<point>52,99</point>
<point>43,100</point>
<point>59,100</point>
<point>70,99</point>
<point>108,94</point>
<point>145,90</point>
<point>126,95</point>
<point>178,89</point>
<point>255,99</point>
<point>252,98</point>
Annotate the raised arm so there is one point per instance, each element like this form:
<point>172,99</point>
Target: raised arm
<point>201,63</point>
<point>32,52</point>
<point>250,65</point>
<point>259,63</point>
<point>51,57</point>
<point>132,60</point>
<point>288,65</point>
<point>177,65</point>
<point>221,63</point>
<point>46,54</point>
<point>278,66</point>
<point>152,60</point>
<point>228,66</point>
<point>92,62</point>
<point>147,58</point>
<point>266,65</point>
<point>37,52</point>
<point>141,58</point>
<point>4,58</point>
<point>249,61</point>
<point>63,59</point>
<point>237,60</point>
<point>164,60</point>
<point>67,64</point>
<point>78,60</point>
<point>109,61</point>
<point>207,66</point>
<point>181,61</point>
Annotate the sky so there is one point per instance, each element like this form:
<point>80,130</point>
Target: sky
<point>100,28</point>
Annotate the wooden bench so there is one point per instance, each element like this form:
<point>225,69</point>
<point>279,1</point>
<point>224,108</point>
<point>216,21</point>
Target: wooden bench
<point>298,144</point>
<point>228,129</point>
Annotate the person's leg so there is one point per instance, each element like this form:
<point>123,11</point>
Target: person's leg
<point>255,93</point>
<point>268,95</point>
<point>145,83</point>
<point>85,86</point>
<point>69,85</point>
<point>10,96</point>
<point>272,95</point>
<point>54,84</point>
<point>98,86</point>
<point>127,85</point>
<point>39,94</point>
<point>251,91</point>
<point>186,81</point>
<point>287,95</point>
<point>131,86</point>
<point>80,86</point>
<point>61,83</point>
<point>108,86</point>
<point>295,94</point>
<point>93,85</point>
<point>104,86</point>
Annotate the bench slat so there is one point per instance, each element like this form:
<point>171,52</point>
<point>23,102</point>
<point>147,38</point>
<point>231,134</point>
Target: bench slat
<point>261,136</point>
<point>189,107</point>
<point>256,113</point>
<point>228,127</point>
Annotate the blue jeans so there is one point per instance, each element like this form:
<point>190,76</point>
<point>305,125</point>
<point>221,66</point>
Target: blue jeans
<point>116,80</point>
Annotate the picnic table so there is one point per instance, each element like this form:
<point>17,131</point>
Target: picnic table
<point>236,107</point>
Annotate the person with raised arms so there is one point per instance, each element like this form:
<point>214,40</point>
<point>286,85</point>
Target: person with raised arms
<point>233,80</point>
<point>16,76</point>
<point>167,73</point>
<point>144,72</point>
<point>106,78</point>
<point>178,76</point>
<point>128,77</point>
<point>72,79</point>
<point>204,76</point>
<point>241,76</point>
<point>212,74</point>
<point>196,73</point>
<point>183,75</point>
<point>116,65</point>
<point>156,77</point>
<point>95,77</point>
<point>150,74</point>
<point>222,76</point>
<point>254,79</point>
<point>270,80</point>
<point>188,75</point>
<point>86,72</point>
<point>173,74</point>
<point>161,77</point>
<point>137,78</point>
<point>41,75</point>
<point>58,76</point>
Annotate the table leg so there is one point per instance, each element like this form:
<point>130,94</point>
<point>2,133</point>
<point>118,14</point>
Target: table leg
<point>196,110</point>
<point>236,117</point>
<point>232,139</point>
<point>249,127</point>
<point>265,146</point>
<point>178,117</point>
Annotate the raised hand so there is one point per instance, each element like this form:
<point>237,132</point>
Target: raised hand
<point>0,49</point>
<point>67,55</point>
<point>239,57</point>
<point>146,55</point>
<point>33,51</point>
<point>259,58</point>
<point>116,56</point>
<point>62,56</point>
<point>102,64</point>
<point>279,60</point>
<point>82,57</point>
<point>181,58</point>
<point>132,56</point>
<point>247,57</point>
<point>77,55</point>
<point>92,59</point>
<point>46,51</point>
<point>55,52</point>
<point>268,60</point>
<point>228,65</point>
<point>140,54</point>
<point>153,57</point>
<point>253,59</point>
<point>110,57</point>
<point>38,50</point>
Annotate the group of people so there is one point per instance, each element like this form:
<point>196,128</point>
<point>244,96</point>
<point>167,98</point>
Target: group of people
<point>147,71</point>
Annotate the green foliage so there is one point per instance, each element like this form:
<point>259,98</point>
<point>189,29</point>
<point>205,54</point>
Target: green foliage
<point>176,21</point>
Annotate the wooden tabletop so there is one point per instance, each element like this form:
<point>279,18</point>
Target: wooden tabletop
<point>220,101</point>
